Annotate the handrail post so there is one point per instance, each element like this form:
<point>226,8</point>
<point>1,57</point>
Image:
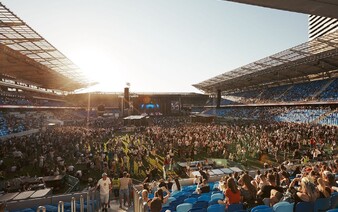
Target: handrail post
<point>61,206</point>
<point>41,208</point>
<point>93,200</point>
<point>88,201</point>
<point>81,204</point>
<point>73,205</point>
<point>140,202</point>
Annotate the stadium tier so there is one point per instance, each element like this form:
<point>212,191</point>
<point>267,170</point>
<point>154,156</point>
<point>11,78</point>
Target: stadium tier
<point>319,90</point>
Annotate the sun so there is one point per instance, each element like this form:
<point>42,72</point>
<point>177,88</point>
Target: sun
<point>98,67</point>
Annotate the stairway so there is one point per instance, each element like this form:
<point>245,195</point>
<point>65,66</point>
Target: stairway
<point>287,90</point>
<point>315,95</point>
<point>316,121</point>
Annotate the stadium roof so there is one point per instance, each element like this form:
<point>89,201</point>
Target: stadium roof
<point>28,56</point>
<point>327,8</point>
<point>313,58</point>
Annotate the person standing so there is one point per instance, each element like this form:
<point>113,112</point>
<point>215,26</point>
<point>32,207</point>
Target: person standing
<point>116,187</point>
<point>105,186</point>
<point>125,183</point>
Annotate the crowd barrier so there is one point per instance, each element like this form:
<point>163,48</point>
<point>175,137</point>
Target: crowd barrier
<point>82,201</point>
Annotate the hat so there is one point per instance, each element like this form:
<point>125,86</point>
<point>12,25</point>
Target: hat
<point>104,174</point>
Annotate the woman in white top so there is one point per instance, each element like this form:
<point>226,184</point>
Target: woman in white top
<point>176,186</point>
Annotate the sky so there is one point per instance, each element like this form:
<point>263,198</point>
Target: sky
<point>160,45</point>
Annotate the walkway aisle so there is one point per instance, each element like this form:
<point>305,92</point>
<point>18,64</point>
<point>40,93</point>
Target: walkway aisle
<point>115,207</point>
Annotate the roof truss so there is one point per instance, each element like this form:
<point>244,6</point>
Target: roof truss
<point>17,35</point>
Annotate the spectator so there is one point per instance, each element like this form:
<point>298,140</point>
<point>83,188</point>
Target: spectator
<point>265,191</point>
<point>176,185</point>
<point>232,194</point>
<point>203,187</point>
<point>125,182</point>
<point>105,186</point>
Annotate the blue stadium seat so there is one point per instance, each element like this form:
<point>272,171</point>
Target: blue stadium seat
<point>216,208</point>
<point>204,198</point>
<point>334,200</point>
<point>198,210</point>
<point>283,207</point>
<point>190,200</point>
<point>184,207</point>
<point>322,204</point>
<point>304,206</point>
<point>259,207</point>
<point>214,201</point>
<point>217,196</point>
<point>195,195</point>
<point>200,204</point>
<point>215,192</point>
<point>165,208</point>
<point>235,207</point>
<point>51,208</point>
<point>170,199</point>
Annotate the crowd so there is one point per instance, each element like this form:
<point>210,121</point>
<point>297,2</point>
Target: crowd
<point>293,184</point>
<point>63,149</point>
<point>83,151</point>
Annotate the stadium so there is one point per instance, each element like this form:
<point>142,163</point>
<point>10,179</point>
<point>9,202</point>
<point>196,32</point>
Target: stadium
<point>261,137</point>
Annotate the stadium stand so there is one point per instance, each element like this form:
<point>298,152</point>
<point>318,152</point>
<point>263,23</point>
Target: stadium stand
<point>300,115</point>
<point>274,93</point>
<point>303,91</point>
<point>331,92</point>
<point>307,91</point>
<point>211,102</point>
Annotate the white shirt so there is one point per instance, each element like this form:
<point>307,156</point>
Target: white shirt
<point>174,187</point>
<point>104,185</point>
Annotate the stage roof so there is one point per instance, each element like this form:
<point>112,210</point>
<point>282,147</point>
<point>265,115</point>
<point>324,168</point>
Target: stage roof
<point>26,55</point>
<point>327,8</point>
<point>314,59</point>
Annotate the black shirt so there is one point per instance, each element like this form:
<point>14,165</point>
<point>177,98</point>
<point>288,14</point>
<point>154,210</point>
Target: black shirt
<point>162,184</point>
<point>156,205</point>
<point>266,191</point>
<point>169,185</point>
<point>204,175</point>
<point>205,189</point>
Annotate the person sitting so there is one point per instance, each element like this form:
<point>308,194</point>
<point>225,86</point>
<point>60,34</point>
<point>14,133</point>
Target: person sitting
<point>223,185</point>
<point>169,183</point>
<point>156,204</point>
<point>232,194</point>
<point>203,187</point>
<point>324,191</point>
<point>285,180</point>
<point>307,191</point>
<point>275,197</point>
<point>248,191</point>
<point>265,191</point>
<point>196,180</point>
<point>146,201</point>
<point>329,179</point>
<point>176,185</point>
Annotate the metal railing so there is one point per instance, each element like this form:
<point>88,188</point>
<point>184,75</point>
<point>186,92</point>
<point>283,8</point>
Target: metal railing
<point>73,183</point>
<point>81,204</point>
<point>73,205</point>
<point>138,201</point>
<point>91,206</point>
<point>61,206</point>
<point>41,208</point>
